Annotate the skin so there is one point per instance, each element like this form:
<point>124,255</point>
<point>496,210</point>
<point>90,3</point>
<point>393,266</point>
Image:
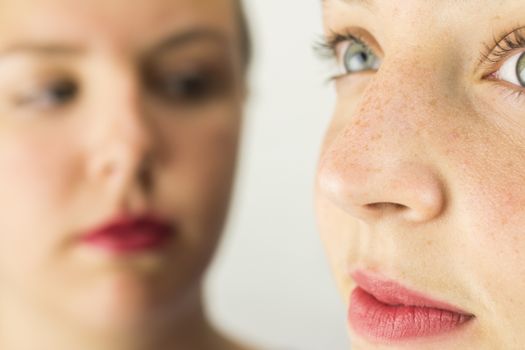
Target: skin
<point>121,143</point>
<point>421,173</point>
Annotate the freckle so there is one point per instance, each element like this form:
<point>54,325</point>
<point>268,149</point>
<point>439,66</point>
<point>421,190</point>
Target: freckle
<point>454,135</point>
<point>433,102</point>
<point>363,124</point>
<point>377,137</point>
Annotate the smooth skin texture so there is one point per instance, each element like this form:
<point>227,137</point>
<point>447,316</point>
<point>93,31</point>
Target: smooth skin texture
<point>111,107</point>
<point>421,175</point>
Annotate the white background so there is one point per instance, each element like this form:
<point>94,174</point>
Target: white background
<point>270,283</point>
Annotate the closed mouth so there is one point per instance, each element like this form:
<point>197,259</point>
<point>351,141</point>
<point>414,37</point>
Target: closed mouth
<point>128,234</point>
<point>384,311</point>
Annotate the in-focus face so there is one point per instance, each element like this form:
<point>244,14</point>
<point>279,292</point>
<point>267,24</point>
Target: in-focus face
<point>111,108</point>
<point>420,192</point>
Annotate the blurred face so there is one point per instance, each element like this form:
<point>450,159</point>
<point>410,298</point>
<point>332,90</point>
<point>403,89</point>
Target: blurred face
<point>114,109</point>
<point>420,190</point>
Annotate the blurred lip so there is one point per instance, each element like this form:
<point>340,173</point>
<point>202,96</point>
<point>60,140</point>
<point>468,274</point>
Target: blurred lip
<point>130,233</point>
<point>385,311</point>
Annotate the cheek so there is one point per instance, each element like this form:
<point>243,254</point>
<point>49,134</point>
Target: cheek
<point>201,168</point>
<point>495,254</point>
<point>35,174</point>
<point>487,198</point>
<point>35,181</point>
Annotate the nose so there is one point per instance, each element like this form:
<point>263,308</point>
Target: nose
<point>123,145</point>
<point>374,166</point>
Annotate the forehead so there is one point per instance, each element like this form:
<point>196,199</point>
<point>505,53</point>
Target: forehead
<point>122,22</point>
<point>432,22</point>
<point>388,6</point>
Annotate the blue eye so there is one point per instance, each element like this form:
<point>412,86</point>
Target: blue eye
<point>359,58</point>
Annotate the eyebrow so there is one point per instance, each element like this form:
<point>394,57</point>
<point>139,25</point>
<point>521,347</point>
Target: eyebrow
<point>189,37</point>
<point>66,49</point>
<point>41,49</point>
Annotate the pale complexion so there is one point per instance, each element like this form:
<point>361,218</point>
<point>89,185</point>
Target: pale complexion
<point>113,107</point>
<point>422,173</point>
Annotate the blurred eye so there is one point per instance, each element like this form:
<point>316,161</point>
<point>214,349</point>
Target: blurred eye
<point>357,57</point>
<point>513,70</point>
<point>188,87</point>
<point>54,94</point>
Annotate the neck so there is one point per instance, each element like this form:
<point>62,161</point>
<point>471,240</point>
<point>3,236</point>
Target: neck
<point>24,326</point>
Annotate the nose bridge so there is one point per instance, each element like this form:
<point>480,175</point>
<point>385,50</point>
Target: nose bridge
<point>123,138</point>
<point>376,163</point>
<point>123,108</point>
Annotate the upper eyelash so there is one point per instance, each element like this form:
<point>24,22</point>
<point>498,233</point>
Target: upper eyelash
<point>503,44</point>
<point>325,46</point>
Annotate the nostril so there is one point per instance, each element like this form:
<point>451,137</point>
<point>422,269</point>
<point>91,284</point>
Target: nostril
<point>386,206</point>
<point>409,191</point>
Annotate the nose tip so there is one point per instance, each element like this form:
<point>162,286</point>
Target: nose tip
<point>408,191</point>
<point>123,150</point>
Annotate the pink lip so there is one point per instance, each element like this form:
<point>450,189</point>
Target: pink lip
<point>127,234</point>
<point>386,312</point>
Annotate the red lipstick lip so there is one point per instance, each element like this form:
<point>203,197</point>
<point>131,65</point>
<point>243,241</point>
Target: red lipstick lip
<point>387,312</point>
<point>128,234</point>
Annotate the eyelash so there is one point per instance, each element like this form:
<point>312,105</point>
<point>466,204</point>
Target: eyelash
<point>503,45</point>
<point>325,47</point>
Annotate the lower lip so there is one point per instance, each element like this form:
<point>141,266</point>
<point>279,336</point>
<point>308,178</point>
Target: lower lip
<point>383,323</point>
<point>130,240</point>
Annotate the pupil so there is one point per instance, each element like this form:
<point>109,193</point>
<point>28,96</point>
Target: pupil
<point>193,86</point>
<point>190,85</point>
<point>64,90</point>
<point>358,58</point>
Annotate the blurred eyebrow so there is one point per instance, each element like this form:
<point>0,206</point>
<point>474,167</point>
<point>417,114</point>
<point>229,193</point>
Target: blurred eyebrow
<point>191,37</point>
<point>40,49</point>
<point>177,40</point>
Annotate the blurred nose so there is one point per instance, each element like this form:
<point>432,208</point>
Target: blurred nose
<point>123,141</point>
<point>374,165</point>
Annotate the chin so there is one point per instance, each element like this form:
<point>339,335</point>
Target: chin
<point>127,305</point>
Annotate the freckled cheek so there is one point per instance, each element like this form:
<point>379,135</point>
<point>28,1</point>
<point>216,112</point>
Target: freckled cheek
<point>495,260</point>
<point>498,217</point>
<point>487,200</point>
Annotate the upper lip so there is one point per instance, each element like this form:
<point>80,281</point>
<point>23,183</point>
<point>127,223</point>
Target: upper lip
<point>127,222</point>
<point>393,293</point>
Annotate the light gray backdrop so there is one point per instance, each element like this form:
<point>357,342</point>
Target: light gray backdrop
<point>270,282</point>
